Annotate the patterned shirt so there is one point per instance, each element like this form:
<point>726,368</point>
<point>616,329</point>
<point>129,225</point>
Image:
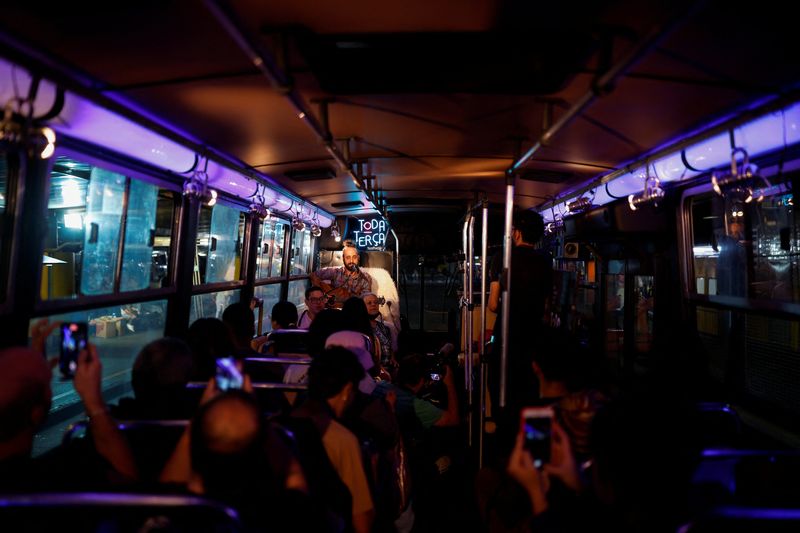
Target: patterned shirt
<point>356,285</point>
<point>384,337</point>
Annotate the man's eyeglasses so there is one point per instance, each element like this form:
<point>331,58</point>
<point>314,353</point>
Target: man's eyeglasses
<point>317,300</point>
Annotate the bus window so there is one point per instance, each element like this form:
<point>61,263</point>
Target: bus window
<point>84,226</point>
<point>212,304</point>
<point>270,254</point>
<point>746,249</point>
<point>3,195</point>
<point>719,247</point>
<point>297,294</point>
<point>301,253</point>
<point>705,249</point>
<point>140,229</point>
<point>118,332</point>
<point>775,250</point>
<point>643,323</point>
<point>615,308</point>
<point>278,253</point>
<point>219,244</point>
<point>270,294</point>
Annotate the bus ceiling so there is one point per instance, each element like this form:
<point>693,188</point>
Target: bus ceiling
<point>407,103</point>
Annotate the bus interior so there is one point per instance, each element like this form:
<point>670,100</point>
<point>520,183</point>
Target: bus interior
<point>161,160</point>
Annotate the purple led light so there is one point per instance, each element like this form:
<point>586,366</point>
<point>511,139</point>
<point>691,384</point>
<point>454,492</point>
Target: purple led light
<point>91,123</point>
<point>757,513</point>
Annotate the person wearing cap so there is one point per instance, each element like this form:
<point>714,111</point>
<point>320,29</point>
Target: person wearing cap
<point>333,380</point>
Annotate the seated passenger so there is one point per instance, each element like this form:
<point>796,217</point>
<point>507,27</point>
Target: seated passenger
<point>640,467</point>
<point>356,318</point>
<point>25,396</point>
<point>240,321</point>
<point>315,303</point>
<point>159,377</point>
<point>209,340</point>
<point>380,332</point>
<point>333,381</point>
<point>239,459</point>
<point>283,315</point>
<point>327,322</point>
<point>412,376</point>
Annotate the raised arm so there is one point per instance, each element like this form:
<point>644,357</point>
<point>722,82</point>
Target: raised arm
<point>450,417</point>
<point>108,440</point>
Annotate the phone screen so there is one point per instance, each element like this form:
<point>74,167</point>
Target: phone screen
<point>537,428</point>
<point>436,377</point>
<point>228,376</point>
<point>74,337</point>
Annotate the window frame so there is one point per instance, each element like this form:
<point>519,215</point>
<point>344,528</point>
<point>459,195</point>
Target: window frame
<point>131,170</point>
<point>780,309</point>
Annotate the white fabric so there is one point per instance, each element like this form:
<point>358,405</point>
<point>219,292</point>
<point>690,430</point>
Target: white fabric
<point>383,285</point>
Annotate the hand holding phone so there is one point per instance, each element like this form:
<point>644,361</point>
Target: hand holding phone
<point>537,428</point>
<point>74,338</point>
<point>228,375</point>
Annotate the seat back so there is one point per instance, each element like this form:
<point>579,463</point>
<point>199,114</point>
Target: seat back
<point>734,519</point>
<point>119,512</point>
<point>150,441</point>
<point>753,478</point>
<point>720,425</point>
<point>289,343</point>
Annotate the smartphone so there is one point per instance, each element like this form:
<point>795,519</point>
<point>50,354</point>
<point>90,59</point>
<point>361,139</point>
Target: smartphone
<point>537,427</point>
<point>74,338</point>
<point>228,375</point>
<point>436,377</point>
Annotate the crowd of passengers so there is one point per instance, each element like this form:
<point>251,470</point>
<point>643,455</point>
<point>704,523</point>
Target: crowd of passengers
<point>362,448</point>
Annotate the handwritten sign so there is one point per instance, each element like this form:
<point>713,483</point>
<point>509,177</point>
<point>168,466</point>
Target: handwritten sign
<point>369,233</point>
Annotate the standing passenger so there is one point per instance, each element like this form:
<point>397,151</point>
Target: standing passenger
<point>531,284</point>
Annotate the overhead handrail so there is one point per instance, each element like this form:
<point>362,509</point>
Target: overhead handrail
<point>600,86</point>
<point>482,346</point>
<point>264,61</point>
<point>258,386</point>
<point>282,360</point>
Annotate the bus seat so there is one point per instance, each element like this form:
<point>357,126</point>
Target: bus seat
<point>91,511</point>
<point>759,478</point>
<point>269,395</point>
<point>735,519</point>
<point>151,442</point>
<point>288,343</point>
<point>720,424</point>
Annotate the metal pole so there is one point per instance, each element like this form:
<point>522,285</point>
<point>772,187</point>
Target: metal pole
<point>464,284</point>
<point>266,63</point>
<point>506,294</point>
<point>421,264</point>
<point>470,307</point>
<point>482,347</point>
<point>603,84</point>
<point>396,257</point>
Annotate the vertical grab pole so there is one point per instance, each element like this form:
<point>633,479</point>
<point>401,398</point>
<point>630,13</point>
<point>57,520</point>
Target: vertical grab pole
<point>464,283</point>
<point>506,294</point>
<point>482,346</point>
<point>470,307</point>
<point>396,258</point>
